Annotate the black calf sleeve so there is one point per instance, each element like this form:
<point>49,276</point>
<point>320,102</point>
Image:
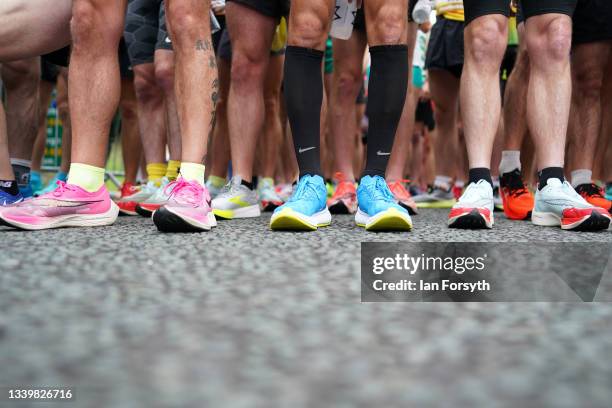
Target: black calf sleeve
<point>386,98</point>
<point>304,96</point>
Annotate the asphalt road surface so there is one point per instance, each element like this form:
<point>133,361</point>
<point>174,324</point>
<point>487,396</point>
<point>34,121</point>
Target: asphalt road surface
<point>246,317</point>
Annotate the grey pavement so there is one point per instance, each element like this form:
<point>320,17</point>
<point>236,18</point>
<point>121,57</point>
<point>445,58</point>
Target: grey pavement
<point>246,317</point>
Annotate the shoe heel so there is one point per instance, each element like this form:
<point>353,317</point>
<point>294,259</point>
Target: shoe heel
<point>545,219</point>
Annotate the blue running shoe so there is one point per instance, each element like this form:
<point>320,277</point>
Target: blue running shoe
<point>52,185</point>
<point>378,210</point>
<point>306,210</point>
<point>8,199</point>
<point>35,181</point>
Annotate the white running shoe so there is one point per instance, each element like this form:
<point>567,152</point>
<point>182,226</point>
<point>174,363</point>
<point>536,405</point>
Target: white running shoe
<point>474,209</point>
<point>236,201</point>
<point>558,204</point>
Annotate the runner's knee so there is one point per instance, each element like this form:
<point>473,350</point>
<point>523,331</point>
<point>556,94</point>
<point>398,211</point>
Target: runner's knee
<point>485,42</point>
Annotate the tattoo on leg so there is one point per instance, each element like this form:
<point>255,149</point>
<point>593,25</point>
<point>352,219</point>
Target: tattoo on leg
<point>203,45</point>
<point>214,96</point>
<point>212,62</point>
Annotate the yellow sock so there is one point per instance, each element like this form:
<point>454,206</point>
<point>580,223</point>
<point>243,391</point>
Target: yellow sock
<point>155,171</point>
<point>173,168</point>
<point>193,172</point>
<point>89,178</point>
<point>216,181</point>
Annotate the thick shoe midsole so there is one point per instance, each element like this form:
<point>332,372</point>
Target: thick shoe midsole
<point>73,220</point>
<point>320,219</point>
<point>244,212</point>
<point>210,222</point>
<point>363,219</point>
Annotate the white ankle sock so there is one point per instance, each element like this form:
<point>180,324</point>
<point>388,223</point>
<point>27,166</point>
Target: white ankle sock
<point>581,176</point>
<point>443,182</point>
<point>510,160</point>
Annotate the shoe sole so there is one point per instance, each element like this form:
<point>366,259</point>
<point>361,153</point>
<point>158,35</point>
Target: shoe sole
<point>437,204</point>
<point>472,220</point>
<point>589,223</point>
<point>245,212</point>
<point>144,212</point>
<point>411,210</point>
<point>81,220</point>
<point>167,221</point>
<point>389,220</point>
<point>289,220</point>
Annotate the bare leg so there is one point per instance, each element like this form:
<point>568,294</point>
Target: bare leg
<point>22,79</point>
<point>6,171</point>
<point>485,42</point>
<point>272,128</point>
<point>444,88</point>
<point>151,113</point>
<point>64,115</point>
<point>164,74</point>
<point>220,155</point>
<point>347,80</point>
<point>588,66</point>
<point>94,83</point>
<point>548,98</point>
<point>251,34</point>
<point>515,107</point>
<point>130,138</point>
<point>19,40</point>
<point>44,98</point>
<point>195,75</point>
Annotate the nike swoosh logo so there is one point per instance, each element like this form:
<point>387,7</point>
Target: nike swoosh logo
<point>168,40</point>
<point>379,153</point>
<point>302,150</point>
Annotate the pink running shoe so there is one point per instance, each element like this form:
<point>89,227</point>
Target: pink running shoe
<point>66,206</point>
<point>187,210</point>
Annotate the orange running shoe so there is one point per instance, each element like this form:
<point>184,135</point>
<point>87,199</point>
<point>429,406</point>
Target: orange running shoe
<point>517,200</point>
<point>595,196</point>
<point>344,199</point>
<point>403,196</point>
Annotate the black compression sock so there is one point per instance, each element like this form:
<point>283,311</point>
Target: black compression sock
<point>248,184</point>
<point>480,173</point>
<point>386,98</point>
<point>548,173</point>
<point>9,186</point>
<point>303,97</point>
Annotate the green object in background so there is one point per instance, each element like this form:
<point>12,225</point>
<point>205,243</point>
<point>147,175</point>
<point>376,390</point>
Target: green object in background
<point>53,146</point>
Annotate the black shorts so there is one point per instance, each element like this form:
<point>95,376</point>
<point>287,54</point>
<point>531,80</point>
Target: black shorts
<point>424,113</point>
<point>531,8</point>
<point>145,30</point>
<point>359,23</point>
<point>48,71</point>
<point>445,49</point>
<point>270,8</point>
<point>125,66</point>
<point>59,57</point>
<point>592,21</point>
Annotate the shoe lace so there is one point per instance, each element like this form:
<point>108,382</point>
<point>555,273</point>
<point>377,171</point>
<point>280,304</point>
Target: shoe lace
<point>61,188</point>
<point>189,192</point>
<point>304,190</point>
<point>380,191</point>
<point>397,188</point>
<point>514,184</point>
<point>590,190</point>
